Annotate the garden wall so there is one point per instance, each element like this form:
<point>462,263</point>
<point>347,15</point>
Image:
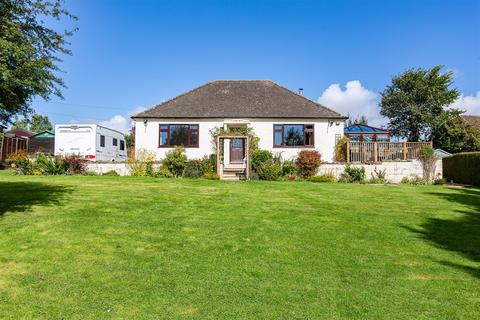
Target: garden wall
<point>103,167</point>
<point>395,170</point>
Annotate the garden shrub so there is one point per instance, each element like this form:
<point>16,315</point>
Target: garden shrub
<point>193,169</point>
<point>209,164</point>
<point>142,163</point>
<point>308,162</point>
<point>353,174</point>
<point>462,168</point>
<point>211,176</point>
<point>164,172</point>
<point>378,176</point>
<point>50,166</point>
<point>288,168</point>
<point>417,180</point>
<point>21,162</point>
<point>258,157</point>
<point>341,149</point>
<point>270,170</point>
<point>90,173</point>
<point>75,164</point>
<point>175,160</point>
<point>327,177</point>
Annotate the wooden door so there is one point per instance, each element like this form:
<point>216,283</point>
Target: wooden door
<point>237,150</point>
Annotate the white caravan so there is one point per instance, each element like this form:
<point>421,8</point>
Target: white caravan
<point>91,141</point>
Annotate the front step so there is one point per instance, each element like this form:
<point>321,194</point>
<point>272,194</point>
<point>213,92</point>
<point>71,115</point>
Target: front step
<point>233,172</point>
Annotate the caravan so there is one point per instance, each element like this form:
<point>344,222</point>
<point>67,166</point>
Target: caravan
<point>91,141</point>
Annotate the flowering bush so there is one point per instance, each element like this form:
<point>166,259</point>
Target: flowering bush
<point>75,164</point>
<point>308,162</point>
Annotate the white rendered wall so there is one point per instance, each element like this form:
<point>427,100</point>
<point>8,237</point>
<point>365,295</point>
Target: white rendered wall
<point>146,136</point>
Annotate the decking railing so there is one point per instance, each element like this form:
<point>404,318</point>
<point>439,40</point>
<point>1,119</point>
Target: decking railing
<point>371,152</point>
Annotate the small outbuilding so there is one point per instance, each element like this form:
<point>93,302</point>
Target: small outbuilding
<point>365,133</point>
<point>42,142</point>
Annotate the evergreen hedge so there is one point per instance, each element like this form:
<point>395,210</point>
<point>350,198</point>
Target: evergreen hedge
<point>463,168</point>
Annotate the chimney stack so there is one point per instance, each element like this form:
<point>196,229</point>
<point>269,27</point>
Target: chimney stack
<point>300,91</point>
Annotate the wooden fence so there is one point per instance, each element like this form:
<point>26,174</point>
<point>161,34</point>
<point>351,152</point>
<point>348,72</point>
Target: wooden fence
<point>373,152</point>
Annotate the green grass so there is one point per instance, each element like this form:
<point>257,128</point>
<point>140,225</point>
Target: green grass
<point>144,248</point>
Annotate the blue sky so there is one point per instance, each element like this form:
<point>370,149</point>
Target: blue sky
<point>129,55</point>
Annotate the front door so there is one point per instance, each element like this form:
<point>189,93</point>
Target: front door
<point>237,150</point>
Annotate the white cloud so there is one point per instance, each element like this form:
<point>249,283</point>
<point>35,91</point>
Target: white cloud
<point>355,101</point>
<point>470,104</point>
<point>117,122</point>
<point>122,123</point>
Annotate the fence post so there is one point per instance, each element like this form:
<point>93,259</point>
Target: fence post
<point>404,151</point>
<point>348,151</point>
<point>375,152</point>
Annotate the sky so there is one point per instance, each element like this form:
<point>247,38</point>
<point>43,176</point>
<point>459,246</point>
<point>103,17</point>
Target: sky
<point>131,55</point>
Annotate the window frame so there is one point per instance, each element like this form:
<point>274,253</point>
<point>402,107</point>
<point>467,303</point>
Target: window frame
<point>189,134</point>
<point>122,145</point>
<point>114,142</point>
<point>102,141</point>
<point>305,130</point>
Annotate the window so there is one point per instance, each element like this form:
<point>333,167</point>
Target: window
<point>171,135</point>
<point>115,142</point>
<point>293,135</point>
<point>102,141</point>
<point>122,145</point>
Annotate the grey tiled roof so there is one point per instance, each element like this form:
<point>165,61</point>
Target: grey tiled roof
<point>239,99</point>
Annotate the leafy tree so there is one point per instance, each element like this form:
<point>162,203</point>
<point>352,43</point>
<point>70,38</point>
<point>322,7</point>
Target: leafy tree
<point>37,123</point>
<point>415,102</point>
<point>30,52</point>
<point>20,124</point>
<point>130,138</point>
<point>40,123</point>
<point>453,134</point>
<point>361,120</point>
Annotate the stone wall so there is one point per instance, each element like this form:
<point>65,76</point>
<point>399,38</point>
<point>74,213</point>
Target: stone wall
<point>395,170</point>
<point>102,167</point>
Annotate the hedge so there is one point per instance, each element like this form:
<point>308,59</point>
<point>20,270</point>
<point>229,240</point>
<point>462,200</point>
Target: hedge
<point>463,168</point>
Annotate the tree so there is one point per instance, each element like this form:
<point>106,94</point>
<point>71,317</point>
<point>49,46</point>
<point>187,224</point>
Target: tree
<point>453,134</point>
<point>361,120</point>
<point>30,52</point>
<point>40,123</point>
<point>130,138</point>
<point>20,124</point>
<point>415,101</point>
<point>37,123</point>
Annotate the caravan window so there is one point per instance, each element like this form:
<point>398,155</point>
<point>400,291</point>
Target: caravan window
<point>102,141</point>
<point>122,145</point>
<point>115,142</point>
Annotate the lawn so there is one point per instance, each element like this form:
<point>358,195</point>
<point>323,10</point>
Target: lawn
<point>79,247</point>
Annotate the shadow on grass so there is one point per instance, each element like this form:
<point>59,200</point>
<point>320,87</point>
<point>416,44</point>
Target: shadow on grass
<point>461,235</point>
<point>20,196</point>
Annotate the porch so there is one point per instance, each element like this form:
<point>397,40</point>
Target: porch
<point>233,161</point>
